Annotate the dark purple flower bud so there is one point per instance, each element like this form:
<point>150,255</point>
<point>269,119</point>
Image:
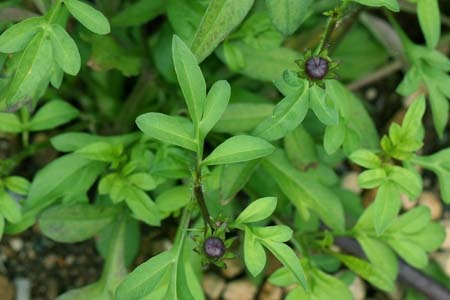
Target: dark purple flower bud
<point>214,247</point>
<point>316,67</point>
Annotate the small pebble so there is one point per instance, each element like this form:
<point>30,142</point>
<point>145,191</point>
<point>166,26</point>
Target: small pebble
<point>242,289</point>
<point>270,292</point>
<point>406,202</point>
<point>23,288</point>
<point>16,244</point>
<point>371,93</point>
<point>213,285</point>
<point>433,202</point>
<point>358,289</point>
<point>446,244</point>
<point>234,268</point>
<point>350,182</point>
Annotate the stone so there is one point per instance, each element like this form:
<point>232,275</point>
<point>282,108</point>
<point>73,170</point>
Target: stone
<point>213,285</point>
<point>432,201</point>
<point>16,244</point>
<point>242,289</point>
<point>270,292</point>
<point>233,269</point>
<point>350,182</point>
<point>358,289</point>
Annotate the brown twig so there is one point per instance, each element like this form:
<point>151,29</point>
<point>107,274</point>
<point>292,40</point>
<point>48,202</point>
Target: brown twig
<point>375,76</point>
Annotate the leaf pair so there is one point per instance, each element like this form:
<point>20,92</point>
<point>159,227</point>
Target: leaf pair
<point>45,44</point>
<point>168,275</point>
<point>292,109</point>
<point>410,235</point>
<point>130,187</point>
<point>10,210</point>
<point>439,163</point>
<point>322,285</point>
<point>51,115</point>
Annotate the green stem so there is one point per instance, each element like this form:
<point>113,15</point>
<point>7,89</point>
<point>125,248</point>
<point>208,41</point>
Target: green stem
<point>25,118</point>
<point>200,197</point>
<point>53,12</point>
<point>334,16</point>
<point>184,224</point>
<point>198,189</point>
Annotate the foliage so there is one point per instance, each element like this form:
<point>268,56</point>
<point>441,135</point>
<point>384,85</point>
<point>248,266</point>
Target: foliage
<point>164,114</point>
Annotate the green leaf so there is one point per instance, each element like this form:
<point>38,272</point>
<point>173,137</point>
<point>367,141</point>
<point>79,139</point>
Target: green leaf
<point>91,18</point>
<point>412,221</point>
<point>287,115</point>
<point>144,181</point>
<point>429,20</point>
<point>234,121</point>
<point>389,4</point>
<point>275,233</point>
<point>53,114</point>
<point>334,137</point>
<point>440,164</point>
<point>380,255</point>
<point>75,223</point>
<point>107,53</point>
<point>289,259</point>
<point>329,287</point>
<point>263,64</point>
<point>302,189</point>
<point>352,110</point>
<point>9,208</point>
<point>173,199</point>
<point>288,15</point>
<point>254,253</point>
<point>429,238</point>
<point>138,13</point>
<point>10,123</point>
<point>169,129</point>
<point>367,271</point>
<point>412,122</point>
<point>62,177</point>
<point>366,159</point>
<point>386,206</point>
<point>371,178</point>
<point>17,184</point>
<point>65,50</point>
<point>233,57</point>
<point>218,21</point>
<point>318,103</point>
<point>72,141</point>
<point>168,275</point>
<point>216,103</point>
<point>17,37</point>
<point>190,78</point>
<point>300,148</point>
<point>409,182</point>
<point>185,16</point>
<point>238,149</point>
<point>410,252</point>
<point>33,72</point>
<point>257,210</point>
<point>439,107</point>
<point>234,177</point>
<point>101,151</point>
<point>143,208</point>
